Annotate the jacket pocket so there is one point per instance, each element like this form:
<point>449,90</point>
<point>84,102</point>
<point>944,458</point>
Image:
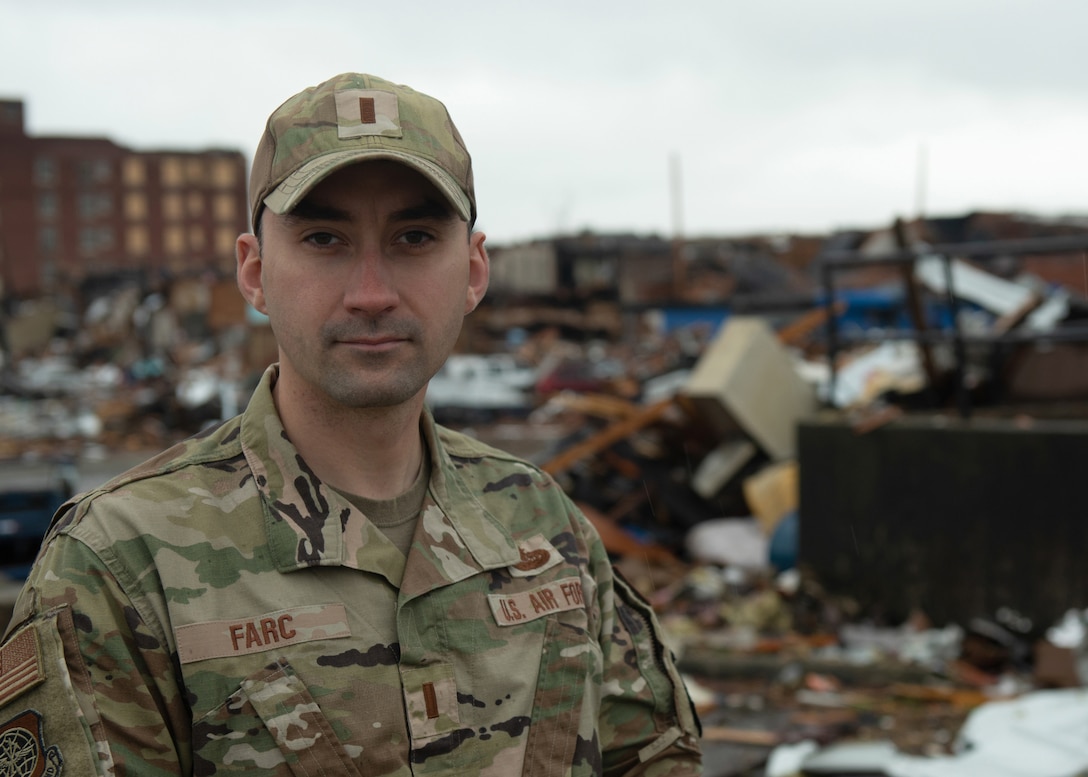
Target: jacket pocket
<point>566,704</point>
<point>271,724</point>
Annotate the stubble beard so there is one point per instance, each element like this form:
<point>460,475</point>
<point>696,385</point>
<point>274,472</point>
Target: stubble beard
<point>359,387</point>
<point>372,380</point>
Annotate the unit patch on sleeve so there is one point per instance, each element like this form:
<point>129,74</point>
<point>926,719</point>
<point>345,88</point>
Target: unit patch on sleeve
<point>22,750</point>
<point>20,664</point>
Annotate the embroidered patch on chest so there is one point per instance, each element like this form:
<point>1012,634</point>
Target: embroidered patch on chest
<point>20,664</point>
<point>557,596</point>
<point>257,633</point>
<point>537,555</point>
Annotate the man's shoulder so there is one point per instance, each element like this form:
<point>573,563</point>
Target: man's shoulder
<point>502,482</point>
<point>199,462</point>
<point>465,447</point>
<point>476,460</point>
<point>209,449</point>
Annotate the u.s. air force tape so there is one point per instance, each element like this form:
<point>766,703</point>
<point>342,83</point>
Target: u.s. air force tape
<point>557,596</point>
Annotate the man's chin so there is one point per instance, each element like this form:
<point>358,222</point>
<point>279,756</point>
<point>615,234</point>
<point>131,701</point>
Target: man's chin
<point>370,394</point>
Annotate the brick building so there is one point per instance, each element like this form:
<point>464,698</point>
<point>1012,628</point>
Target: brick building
<point>73,209</point>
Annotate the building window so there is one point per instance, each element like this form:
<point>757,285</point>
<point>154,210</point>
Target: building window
<point>137,241</point>
<point>136,206</point>
<point>195,203</point>
<point>45,171</point>
<point>173,240</point>
<point>224,241</point>
<point>134,171</point>
<point>48,241</point>
<point>224,174</point>
<point>173,207</point>
<point>95,240</point>
<point>48,208</point>
<point>94,205</point>
<point>173,173</point>
<point>90,172</point>
<point>197,238</point>
<point>194,170</point>
<point>225,208</point>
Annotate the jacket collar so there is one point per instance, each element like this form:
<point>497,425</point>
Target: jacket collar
<point>309,524</point>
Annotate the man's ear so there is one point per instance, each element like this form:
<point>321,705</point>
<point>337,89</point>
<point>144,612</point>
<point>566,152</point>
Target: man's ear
<point>247,249</point>
<point>479,271</point>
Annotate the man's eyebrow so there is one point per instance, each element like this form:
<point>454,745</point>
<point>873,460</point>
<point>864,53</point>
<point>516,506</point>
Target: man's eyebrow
<point>308,210</point>
<point>428,210</point>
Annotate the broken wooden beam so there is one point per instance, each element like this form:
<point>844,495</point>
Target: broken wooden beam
<point>610,435</point>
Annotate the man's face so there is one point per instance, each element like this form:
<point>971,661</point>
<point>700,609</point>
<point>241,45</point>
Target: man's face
<point>366,284</point>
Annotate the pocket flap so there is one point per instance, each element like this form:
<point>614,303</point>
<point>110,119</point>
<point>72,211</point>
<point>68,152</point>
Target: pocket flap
<point>301,731</point>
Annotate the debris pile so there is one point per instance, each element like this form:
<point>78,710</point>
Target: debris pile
<point>135,370</point>
<point>682,449</point>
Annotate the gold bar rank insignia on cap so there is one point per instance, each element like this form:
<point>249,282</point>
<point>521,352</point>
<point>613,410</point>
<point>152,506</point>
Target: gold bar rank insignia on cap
<point>20,664</point>
<point>368,114</point>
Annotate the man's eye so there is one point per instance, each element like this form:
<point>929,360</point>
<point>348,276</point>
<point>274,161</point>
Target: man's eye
<point>321,239</point>
<point>416,237</point>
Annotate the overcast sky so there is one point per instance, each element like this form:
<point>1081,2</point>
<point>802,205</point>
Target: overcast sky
<point>789,116</point>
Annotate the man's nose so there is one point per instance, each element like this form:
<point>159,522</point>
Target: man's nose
<point>371,288</point>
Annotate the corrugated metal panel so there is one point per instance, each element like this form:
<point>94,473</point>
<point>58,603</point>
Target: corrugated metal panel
<point>956,518</point>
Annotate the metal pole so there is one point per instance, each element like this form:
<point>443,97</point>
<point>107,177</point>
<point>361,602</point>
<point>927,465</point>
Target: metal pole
<point>963,397</point>
<point>826,272</point>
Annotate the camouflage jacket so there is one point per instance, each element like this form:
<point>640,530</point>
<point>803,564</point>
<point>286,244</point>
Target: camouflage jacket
<point>218,610</point>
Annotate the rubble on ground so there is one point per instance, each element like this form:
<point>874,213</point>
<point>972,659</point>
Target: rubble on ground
<point>681,450</point>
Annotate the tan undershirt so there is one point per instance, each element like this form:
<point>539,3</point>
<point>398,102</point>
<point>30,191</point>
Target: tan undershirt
<point>397,517</point>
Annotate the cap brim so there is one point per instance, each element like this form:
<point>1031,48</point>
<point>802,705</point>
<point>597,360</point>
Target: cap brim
<point>292,189</point>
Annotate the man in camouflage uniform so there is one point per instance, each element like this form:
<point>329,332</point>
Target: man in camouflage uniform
<point>330,583</point>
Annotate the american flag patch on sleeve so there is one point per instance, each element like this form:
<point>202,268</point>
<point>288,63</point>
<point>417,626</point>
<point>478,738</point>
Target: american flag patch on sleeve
<point>20,664</point>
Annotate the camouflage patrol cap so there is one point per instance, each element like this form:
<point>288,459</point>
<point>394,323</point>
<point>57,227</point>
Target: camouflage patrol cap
<point>352,118</point>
